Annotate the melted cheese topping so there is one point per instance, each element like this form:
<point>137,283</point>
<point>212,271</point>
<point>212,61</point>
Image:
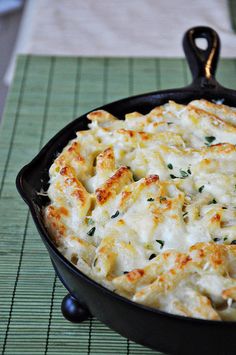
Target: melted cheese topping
<point>147,206</point>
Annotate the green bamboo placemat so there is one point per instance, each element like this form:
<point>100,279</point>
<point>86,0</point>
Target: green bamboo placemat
<point>46,94</point>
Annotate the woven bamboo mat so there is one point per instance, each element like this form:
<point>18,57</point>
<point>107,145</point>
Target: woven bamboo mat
<point>46,94</point>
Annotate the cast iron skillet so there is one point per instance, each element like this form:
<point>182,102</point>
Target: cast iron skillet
<point>153,328</point>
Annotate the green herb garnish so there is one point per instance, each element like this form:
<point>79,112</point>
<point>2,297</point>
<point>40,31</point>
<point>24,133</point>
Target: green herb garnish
<point>173,176</point>
<point>185,214</point>
<point>90,221</point>
<point>170,166</point>
<point>209,139</point>
<point>216,239</point>
<point>201,188</point>
<point>152,256</point>
<point>150,199</point>
<point>183,173</point>
<point>170,123</point>
<point>95,262</point>
<point>212,202</point>
<point>189,171</point>
<point>115,214</point>
<point>91,231</point>
<point>125,272</point>
<point>161,242</point>
<point>233,242</point>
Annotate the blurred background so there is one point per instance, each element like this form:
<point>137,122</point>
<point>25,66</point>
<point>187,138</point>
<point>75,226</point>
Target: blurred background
<point>115,28</point>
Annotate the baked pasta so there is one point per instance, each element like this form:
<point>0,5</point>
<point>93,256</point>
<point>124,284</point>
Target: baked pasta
<point>146,206</point>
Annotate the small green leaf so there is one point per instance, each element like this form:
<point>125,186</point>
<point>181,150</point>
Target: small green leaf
<point>91,231</point>
<point>90,221</point>
<point>152,256</point>
<point>173,176</point>
<point>115,214</point>
<point>170,166</point>
<point>150,199</point>
<point>183,173</point>
<point>201,188</point>
<point>212,202</point>
<point>216,240</point>
<point>233,242</point>
<point>95,262</point>
<point>210,139</point>
<point>161,242</point>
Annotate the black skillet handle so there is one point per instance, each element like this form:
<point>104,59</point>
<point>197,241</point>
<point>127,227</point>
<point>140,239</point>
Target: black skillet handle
<point>202,62</point>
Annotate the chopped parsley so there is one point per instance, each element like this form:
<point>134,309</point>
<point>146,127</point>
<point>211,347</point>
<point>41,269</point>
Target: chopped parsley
<point>152,256</point>
<point>201,188</point>
<point>170,123</point>
<point>173,176</point>
<point>224,208</point>
<point>91,231</point>
<point>216,240</point>
<point>161,242</point>
<point>90,221</point>
<point>185,214</point>
<point>115,214</point>
<point>95,262</point>
<point>212,202</point>
<point>183,173</point>
<point>209,139</point>
<point>150,199</point>
<point>225,238</point>
<point>125,272</point>
<point>170,166</point>
<point>233,242</point>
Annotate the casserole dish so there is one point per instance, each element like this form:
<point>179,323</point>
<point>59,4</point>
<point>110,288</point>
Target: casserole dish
<point>147,326</point>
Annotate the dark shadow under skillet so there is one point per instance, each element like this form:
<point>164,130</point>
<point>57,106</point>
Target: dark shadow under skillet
<point>151,327</point>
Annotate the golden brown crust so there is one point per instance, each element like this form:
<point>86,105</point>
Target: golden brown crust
<point>113,185</point>
<point>78,190</point>
<point>100,116</point>
<point>230,293</point>
<point>54,223</point>
<point>106,160</point>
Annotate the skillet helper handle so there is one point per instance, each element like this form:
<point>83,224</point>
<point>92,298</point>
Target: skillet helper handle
<point>202,62</point>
